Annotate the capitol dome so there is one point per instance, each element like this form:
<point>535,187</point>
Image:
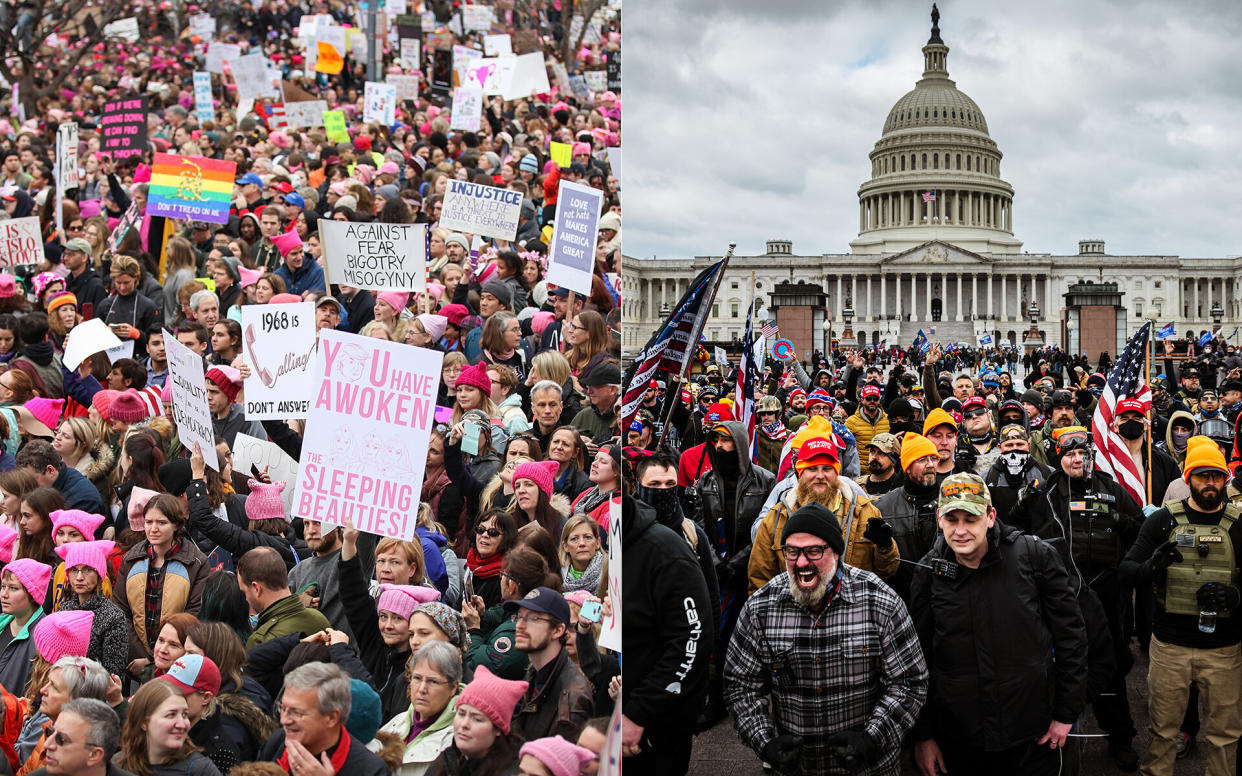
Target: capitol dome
<point>935,171</point>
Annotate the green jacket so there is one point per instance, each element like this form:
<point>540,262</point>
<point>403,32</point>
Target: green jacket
<point>491,645</point>
<point>284,617</point>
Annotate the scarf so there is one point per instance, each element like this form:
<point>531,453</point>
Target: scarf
<point>589,580</point>
<point>775,431</point>
<point>592,499</point>
<point>484,568</point>
<point>338,757</point>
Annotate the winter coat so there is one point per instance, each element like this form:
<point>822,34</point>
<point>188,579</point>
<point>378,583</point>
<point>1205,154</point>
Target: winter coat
<point>78,491</point>
<point>89,290</point>
<point>17,658</point>
<point>989,635</point>
<point>420,753</point>
<point>136,310</point>
<point>865,430</point>
<point>96,465</point>
<point>185,573</point>
<point>359,762</point>
<point>109,631</point>
<point>491,645</point>
<point>286,616</point>
<point>234,539</point>
<point>234,732</point>
<point>560,708</point>
<point>750,491</point>
<point>913,521</point>
<point>386,664</point>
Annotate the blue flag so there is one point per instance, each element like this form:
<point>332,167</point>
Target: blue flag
<point>1205,339</point>
<point>986,339</point>
<point>1165,332</point>
<point>920,342</point>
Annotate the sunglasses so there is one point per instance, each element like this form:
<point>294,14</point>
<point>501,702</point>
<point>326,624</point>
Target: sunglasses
<point>492,532</point>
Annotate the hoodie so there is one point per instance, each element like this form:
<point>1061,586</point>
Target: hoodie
<point>1169,447</point>
<point>732,495</point>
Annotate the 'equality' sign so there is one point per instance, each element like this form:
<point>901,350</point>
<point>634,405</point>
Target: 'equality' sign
<point>189,394</point>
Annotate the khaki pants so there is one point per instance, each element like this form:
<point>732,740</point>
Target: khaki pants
<point>1218,674</point>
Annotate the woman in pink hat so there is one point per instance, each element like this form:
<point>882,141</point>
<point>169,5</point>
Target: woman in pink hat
<point>72,526</point>
<point>533,490</point>
<point>23,586</point>
<point>86,565</point>
<point>483,741</point>
<point>389,305</point>
<point>473,391</point>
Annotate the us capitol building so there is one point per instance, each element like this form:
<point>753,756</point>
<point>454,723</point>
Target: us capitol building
<point>951,262</point>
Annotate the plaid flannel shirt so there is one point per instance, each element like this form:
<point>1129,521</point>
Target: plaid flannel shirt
<point>858,665</point>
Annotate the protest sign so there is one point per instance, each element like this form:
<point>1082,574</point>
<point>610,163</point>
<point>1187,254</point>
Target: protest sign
<point>526,41</point>
<point>467,108</point>
<point>334,125</point>
<point>406,85</point>
<point>123,126</point>
<point>203,106</point>
<point>203,25</point>
<point>465,59</point>
<point>411,53</point>
<point>614,70</point>
<point>610,631</point>
<point>279,342</point>
<point>305,114</point>
<point>189,394</point>
<point>133,214</point>
<point>441,71</point>
<point>721,357</point>
<point>252,77</point>
<point>366,441</point>
<point>561,153</point>
<point>572,254</point>
<point>125,29</point>
<point>356,43</point>
<point>67,155</point>
<point>578,86</point>
<point>124,350</point>
<point>22,241</point>
<point>561,75</point>
<point>388,257</point>
<point>395,7</point>
<point>379,102</point>
<point>219,53</point>
<point>328,59</point>
<point>484,210</point>
<point>596,80</point>
<point>530,74</point>
<point>191,187</point>
<point>252,454</point>
<point>409,26</point>
<point>88,338</point>
<point>497,45</point>
<point>614,161</point>
<point>477,17</point>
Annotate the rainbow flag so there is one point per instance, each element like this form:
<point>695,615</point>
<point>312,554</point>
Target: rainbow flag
<point>191,187</point>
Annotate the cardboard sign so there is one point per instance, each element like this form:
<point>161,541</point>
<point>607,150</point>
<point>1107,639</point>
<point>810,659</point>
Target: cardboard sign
<point>614,71</point>
<point>526,41</point>
<point>305,114</point>
<point>477,17</point>
<point>219,53</point>
<point>21,242</point>
<point>88,338</point>
<point>279,340</point>
<point>334,125</point>
<point>67,155</point>
<point>365,448</point>
<point>379,103</point>
<point>571,258</point>
<point>385,257</point>
<point>125,29</point>
<point>411,54</point>
<point>251,453</point>
<point>497,45</point>
<point>191,187</point>
<point>473,208</point>
<point>406,85</point>
<point>203,25</point>
<point>530,74</point>
<point>123,126</point>
<point>610,631</point>
<point>204,109</point>
<point>467,108</point>
<point>189,394</point>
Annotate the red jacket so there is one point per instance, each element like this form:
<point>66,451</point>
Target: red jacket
<point>694,463</point>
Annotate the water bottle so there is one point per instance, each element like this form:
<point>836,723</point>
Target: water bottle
<point>1207,621</point>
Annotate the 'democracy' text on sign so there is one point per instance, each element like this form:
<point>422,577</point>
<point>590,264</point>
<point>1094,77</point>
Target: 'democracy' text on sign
<point>387,257</point>
<point>483,210</point>
<point>367,435</point>
<point>191,411</point>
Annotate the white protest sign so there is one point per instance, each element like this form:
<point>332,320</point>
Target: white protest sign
<point>219,53</point>
<point>189,392</point>
<point>597,80</point>
<point>305,114</point>
<point>721,358</point>
<point>332,35</point>
<point>395,7</point>
<point>406,85</point>
<point>366,441</point>
<point>67,155</point>
<point>610,631</point>
<point>126,29</point>
<point>357,43</point>
<point>497,45</point>
<point>386,257</point>
<point>562,76</point>
<point>477,209</point>
<point>530,74</point>
<point>124,350</point>
<point>279,341</point>
<point>477,17</point>
<point>251,453</point>
<point>87,339</point>
<point>21,241</point>
<point>411,53</point>
<point>467,109</point>
<point>380,102</point>
<point>203,106</point>
<point>464,59</point>
<point>614,161</point>
<point>253,81</point>
<point>571,258</point>
<point>203,25</point>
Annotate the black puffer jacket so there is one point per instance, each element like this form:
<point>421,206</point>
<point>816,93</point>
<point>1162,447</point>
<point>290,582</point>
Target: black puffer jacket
<point>913,520</point>
<point>989,636</point>
<point>751,490</point>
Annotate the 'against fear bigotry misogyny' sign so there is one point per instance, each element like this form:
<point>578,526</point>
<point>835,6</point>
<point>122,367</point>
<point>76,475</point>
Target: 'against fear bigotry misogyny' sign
<point>280,349</point>
<point>477,209</point>
<point>367,435</point>
<point>388,257</point>
<point>189,392</point>
<point>572,255</point>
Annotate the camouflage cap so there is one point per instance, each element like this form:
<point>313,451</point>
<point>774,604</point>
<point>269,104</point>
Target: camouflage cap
<point>886,443</point>
<point>967,492</point>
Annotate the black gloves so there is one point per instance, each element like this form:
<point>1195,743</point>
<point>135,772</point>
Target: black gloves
<point>783,753</point>
<point>1215,597</point>
<point>879,533</point>
<point>852,749</point>
<point>1164,556</point>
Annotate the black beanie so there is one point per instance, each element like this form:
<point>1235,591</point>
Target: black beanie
<point>816,519</point>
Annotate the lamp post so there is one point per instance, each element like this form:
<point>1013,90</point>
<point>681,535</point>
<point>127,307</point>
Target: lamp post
<point>827,336</point>
<point>1032,337</point>
<point>847,314</point>
<point>1217,313</point>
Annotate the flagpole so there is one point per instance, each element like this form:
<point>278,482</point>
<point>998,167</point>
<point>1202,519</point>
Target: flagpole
<point>1147,354</point>
<point>688,363</point>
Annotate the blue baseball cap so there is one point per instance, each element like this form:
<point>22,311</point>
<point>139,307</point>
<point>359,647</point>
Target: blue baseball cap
<point>545,600</point>
<point>295,199</point>
<point>248,178</point>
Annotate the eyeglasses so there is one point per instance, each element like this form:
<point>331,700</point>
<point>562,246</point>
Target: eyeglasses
<point>492,532</point>
<point>426,681</point>
<point>974,413</point>
<point>74,227</point>
<point>61,740</point>
<point>813,552</point>
<point>294,714</point>
<point>527,619</point>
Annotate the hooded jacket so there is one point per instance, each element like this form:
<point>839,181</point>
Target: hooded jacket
<point>1166,444</point>
<point>136,310</point>
<point>728,516</point>
<point>185,573</point>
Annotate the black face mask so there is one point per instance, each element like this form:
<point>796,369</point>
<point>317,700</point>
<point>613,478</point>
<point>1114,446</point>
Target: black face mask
<point>1131,429</point>
<point>665,501</point>
<point>899,426</point>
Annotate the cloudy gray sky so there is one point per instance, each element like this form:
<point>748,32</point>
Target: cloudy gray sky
<point>753,120</point>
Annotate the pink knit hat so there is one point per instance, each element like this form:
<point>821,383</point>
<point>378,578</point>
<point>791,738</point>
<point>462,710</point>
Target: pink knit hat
<point>165,393</point>
<point>578,597</point>
<point>542,473</point>
<point>402,599</point>
<point>8,537</point>
<point>396,299</point>
<point>286,242</point>
<point>84,522</point>
<point>434,324</point>
<point>47,411</point>
<point>539,321</point>
<point>581,148</point>
<point>127,407</point>
<point>476,375</point>
<point>559,756</point>
<point>436,290</point>
<point>227,379</point>
<point>43,280</point>
<point>103,399</point>
<point>33,575</point>
<point>138,498</point>
<point>495,697</point>
<point>93,554</point>
<point>64,633</point>
<point>249,276</point>
<point>264,502</point>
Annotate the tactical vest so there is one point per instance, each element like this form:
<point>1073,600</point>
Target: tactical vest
<point>1095,541</point>
<point>1207,556</point>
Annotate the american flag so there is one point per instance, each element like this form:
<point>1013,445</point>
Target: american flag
<point>770,329</point>
<point>1125,381</point>
<point>929,196</point>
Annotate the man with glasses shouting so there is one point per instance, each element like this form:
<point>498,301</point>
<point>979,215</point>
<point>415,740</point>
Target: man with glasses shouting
<point>824,670</point>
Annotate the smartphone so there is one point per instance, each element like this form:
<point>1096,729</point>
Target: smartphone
<point>470,439</point>
<point>469,580</point>
<point>591,611</point>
